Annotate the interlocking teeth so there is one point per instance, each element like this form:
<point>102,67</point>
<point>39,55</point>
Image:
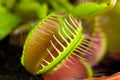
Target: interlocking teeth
<point>79,56</point>
<point>68,29</point>
<point>43,65</point>
<point>63,43</point>
<point>70,61</point>
<point>67,23</point>
<point>63,38</point>
<point>69,37</point>
<point>45,61</point>
<point>90,44</point>
<point>82,51</point>
<point>87,48</point>
<point>74,22</point>
<point>67,66</point>
<point>92,38</point>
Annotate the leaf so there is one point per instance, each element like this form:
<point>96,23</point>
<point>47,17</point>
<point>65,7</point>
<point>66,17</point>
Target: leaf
<point>43,11</point>
<point>7,22</point>
<point>88,9</point>
<point>111,25</point>
<point>9,4</point>
<point>33,8</point>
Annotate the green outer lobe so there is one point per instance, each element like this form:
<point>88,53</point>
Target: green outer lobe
<point>103,47</point>
<point>30,34</point>
<point>90,72</point>
<point>88,9</point>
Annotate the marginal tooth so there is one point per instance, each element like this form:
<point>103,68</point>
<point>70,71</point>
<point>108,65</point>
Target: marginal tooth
<point>92,38</point>
<point>81,52</point>
<point>43,65</point>
<point>54,47</point>
<point>91,44</point>
<point>73,21</point>
<point>63,38</point>
<point>70,61</point>
<point>86,50</point>
<point>58,41</point>
<point>77,55</point>
<point>71,57</point>
<point>66,34</point>
<point>70,25</point>
<point>45,61</point>
<point>67,66</point>
<point>50,54</point>
<point>68,29</point>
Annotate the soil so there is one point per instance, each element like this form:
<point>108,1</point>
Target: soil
<point>11,68</point>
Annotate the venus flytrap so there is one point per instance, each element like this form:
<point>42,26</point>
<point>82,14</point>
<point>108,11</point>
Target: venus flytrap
<point>66,47</point>
<point>63,37</point>
<point>59,39</point>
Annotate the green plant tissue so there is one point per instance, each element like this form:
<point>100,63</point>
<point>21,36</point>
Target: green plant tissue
<point>7,22</point>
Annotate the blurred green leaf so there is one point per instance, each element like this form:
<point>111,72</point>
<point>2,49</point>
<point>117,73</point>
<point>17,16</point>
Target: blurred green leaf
<point>88,9</point>
<point>110,23</point>
<point>44,10</point>
<point>7,22</point>
<point>9,4</point>
<point>30,8</point>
